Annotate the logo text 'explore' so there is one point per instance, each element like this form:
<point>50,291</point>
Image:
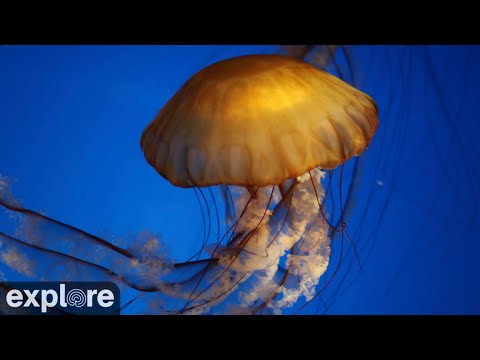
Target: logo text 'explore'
<point>79,297</point>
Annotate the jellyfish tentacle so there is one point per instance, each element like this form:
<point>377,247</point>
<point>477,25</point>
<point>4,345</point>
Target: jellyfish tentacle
<point>97,240</point>
<point>243,244</point>
<point>232,228</point>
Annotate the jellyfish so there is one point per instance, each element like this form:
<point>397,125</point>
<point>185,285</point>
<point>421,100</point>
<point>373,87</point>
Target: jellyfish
<point>265,127</point>
<point>411,217</point>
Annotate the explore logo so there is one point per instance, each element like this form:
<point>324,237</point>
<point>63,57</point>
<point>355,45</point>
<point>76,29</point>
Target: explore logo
<point>49,298</point>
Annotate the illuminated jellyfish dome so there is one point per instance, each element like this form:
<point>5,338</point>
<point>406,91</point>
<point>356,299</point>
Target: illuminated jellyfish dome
<point>265,127</point>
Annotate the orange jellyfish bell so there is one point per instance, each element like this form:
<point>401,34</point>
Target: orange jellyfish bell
<point>257,120</point>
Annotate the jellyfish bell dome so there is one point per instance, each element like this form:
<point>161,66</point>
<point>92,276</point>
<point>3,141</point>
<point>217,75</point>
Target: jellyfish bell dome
<point>257,120</point>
